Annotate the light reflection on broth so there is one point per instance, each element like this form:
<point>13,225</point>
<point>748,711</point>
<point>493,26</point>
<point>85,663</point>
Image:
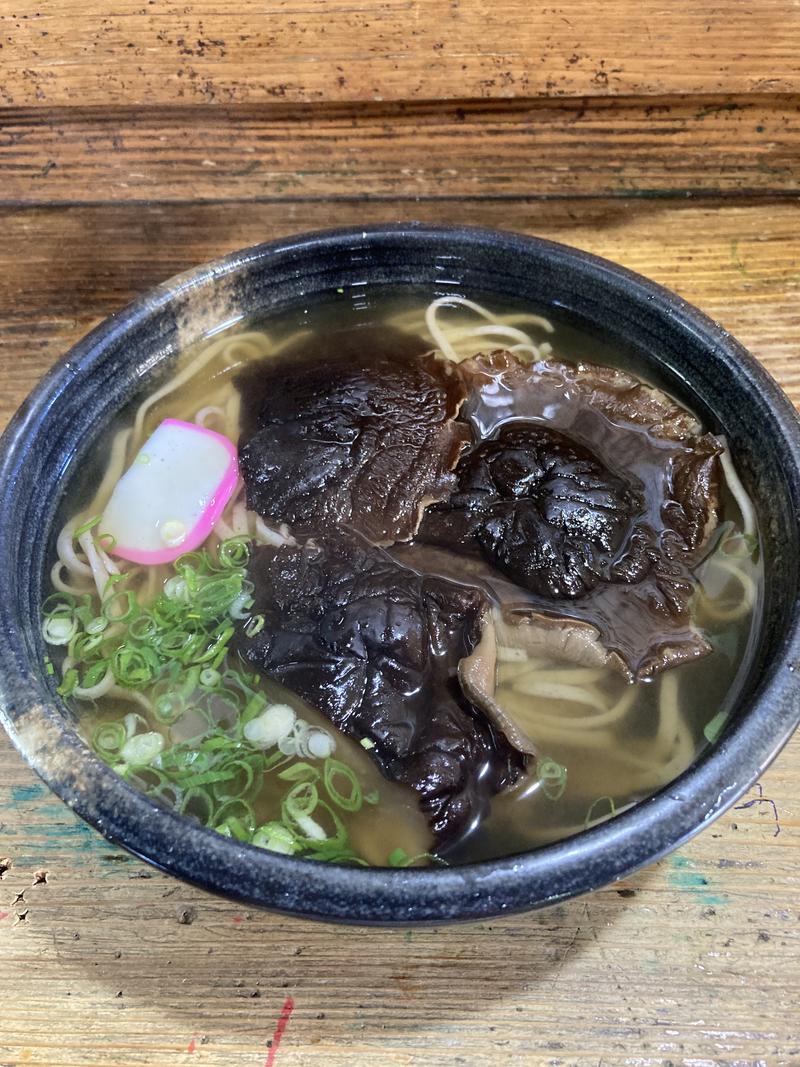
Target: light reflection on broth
<point>617,742</point>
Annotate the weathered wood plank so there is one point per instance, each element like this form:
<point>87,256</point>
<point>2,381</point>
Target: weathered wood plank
<point>694,960</point>
<point>597,147</point>
<point>138,52</point>
<point>61,270</point>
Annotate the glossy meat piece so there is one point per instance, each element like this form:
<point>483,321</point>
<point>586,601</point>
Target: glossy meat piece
<point>376,648</point>
<point>640,609</point>
<point>631,428</point>
<point>541,508</point>
<point>354,429</point>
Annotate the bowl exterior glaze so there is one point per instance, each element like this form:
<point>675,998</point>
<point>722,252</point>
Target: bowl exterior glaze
<point>694,357</point>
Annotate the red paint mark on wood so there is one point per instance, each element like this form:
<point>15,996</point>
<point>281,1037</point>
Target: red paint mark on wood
<point>278,1032</point>
<point>237,919</point>
<point>4,915</point>
<point>192,1044</point>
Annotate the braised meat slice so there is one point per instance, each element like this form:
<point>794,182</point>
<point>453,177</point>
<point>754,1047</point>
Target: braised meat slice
<point>591,498</point>
<point>354,429</point>
<point>376,648</point>
<point>541,508</point>
<point>630,427</point>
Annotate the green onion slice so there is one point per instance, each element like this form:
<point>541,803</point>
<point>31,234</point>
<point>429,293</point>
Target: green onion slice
<point>336,770</point>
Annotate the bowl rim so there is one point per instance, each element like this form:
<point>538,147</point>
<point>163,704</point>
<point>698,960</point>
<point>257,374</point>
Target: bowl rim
<point>612,850</point>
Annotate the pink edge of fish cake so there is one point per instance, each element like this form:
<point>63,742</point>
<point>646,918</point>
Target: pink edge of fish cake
<point>205,524</point>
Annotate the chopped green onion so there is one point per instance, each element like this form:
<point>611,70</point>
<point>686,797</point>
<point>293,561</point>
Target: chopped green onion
<point>82,645</point>
<point>108,739</point>
<point>132,722</point>
<point>88,525</point>
<point>133,667</point>
<point>59,603</point>
<point>300,772</point>
<point>190,561</point>
<point>320,743</point>
<point>142,748</point>
<point>273,724</point>
<point>143,627</point>
<point>300,801</point>
<point>254,706</point>
<point>120,607</point>
<point>277,838</point>
<point>95,674</point>
<point>68,683</point>
<point>337,836</point>
<point>552,777</point>
<point>254,626</point>
<point>59,629</point>
<point>210,778</point>
<point>240,811</point>
<point>234,827</point>
<point>176,651</point>
<point>591,816</point>
<point>234,553</point>
<point>366,743</point>
<point>168,708</point>
<point>189,682</point>
<point>240,607</point>
<point>240,781</point>
<point>398,857</point>
<point>350,801</point>
<point>84,614</point>
<point>713,728</point>
<point>175,589</point>
<point>311,828</point>
<point>112,580</point>
<point>198,803</point>
<point>150,777</point>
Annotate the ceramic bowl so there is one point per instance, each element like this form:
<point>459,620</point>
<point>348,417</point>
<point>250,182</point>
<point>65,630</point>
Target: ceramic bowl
<point>698,361</point>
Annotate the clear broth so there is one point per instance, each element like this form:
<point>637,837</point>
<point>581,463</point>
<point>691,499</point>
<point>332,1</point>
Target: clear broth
<point>669,720</point>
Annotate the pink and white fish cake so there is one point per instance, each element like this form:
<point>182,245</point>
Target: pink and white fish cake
<point>168,500</point>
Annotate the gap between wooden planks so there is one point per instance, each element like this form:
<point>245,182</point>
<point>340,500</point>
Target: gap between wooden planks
<point>491,149</point>
<point>143,52</point>
<point>62,269</point>
<point>105,962</point>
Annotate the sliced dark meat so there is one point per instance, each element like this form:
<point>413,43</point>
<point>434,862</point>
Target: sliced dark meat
<point>631,428</point>
<point>629,628</point>
<point>542,509</point>
<point>354,429</point>
<point>645,462</point>
<point>376,648</point>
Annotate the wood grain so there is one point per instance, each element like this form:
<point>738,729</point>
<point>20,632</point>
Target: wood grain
<point>695,960</point>
<point>61,270</point>
<point>147,52</point>
<point>599,147</point>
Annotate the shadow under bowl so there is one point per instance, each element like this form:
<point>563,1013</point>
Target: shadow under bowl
<point>696,359</point>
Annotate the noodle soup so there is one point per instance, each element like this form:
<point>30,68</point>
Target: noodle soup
<point>573,550</point>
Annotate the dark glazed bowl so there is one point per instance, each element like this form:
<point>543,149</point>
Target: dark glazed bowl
<point>693,356</point>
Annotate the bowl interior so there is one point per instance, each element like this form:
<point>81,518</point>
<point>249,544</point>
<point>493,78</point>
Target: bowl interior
<point>692,357</point>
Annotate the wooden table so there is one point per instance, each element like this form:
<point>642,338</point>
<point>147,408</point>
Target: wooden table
<point>140,138</point>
